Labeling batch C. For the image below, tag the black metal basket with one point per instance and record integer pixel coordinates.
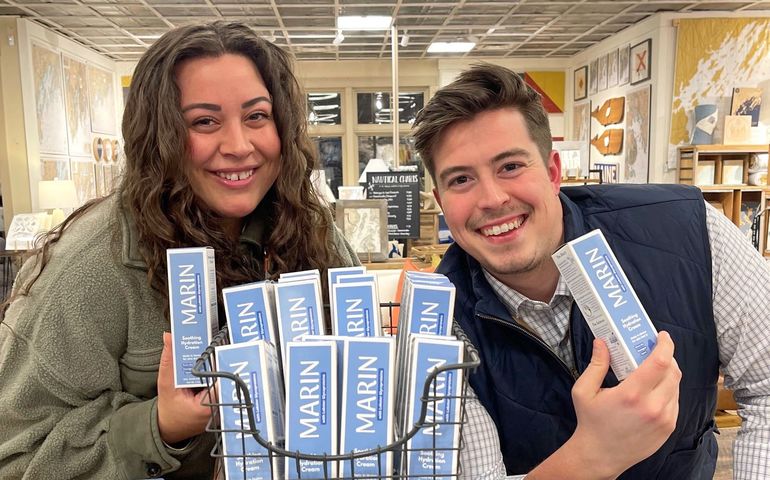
(398, 451)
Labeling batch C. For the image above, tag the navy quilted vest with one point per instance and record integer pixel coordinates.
(658, 233)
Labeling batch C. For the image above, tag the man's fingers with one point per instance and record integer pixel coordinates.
(590, 382)
(657, 367)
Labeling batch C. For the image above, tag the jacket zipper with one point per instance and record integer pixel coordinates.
(570, 372)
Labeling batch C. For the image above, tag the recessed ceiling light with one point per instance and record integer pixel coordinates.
(365, 22)
(450, 47)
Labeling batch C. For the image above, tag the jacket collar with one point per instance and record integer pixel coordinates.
(254, 231)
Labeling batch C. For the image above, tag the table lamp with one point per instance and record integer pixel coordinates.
(55, 195)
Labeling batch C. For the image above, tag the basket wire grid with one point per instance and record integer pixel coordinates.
(397, 452)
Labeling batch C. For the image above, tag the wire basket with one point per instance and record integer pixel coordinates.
(399, 453)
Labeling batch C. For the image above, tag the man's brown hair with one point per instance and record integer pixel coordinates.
(481, 88)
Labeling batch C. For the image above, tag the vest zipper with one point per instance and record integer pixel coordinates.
(572, 373)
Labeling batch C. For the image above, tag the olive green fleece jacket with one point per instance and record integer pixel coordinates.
(79, 362)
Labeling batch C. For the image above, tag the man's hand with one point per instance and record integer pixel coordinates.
(618, 427)
(180, 413)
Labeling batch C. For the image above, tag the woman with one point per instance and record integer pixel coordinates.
(216, 154)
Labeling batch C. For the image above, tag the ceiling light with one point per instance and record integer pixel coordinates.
(450, 47)
(404, 40)
(366, 22)
(338, 38)
(491, 30)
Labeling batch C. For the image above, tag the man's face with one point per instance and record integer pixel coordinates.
(500, 199)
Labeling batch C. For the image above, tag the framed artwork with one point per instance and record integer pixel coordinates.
(364, 223)
(581, 121)
(101, 95)
(641, 58)
(623, 65)
(746, 101)
(580, 81)
(83, 172)
(602, 73)
(612, 68)
(76, 102)
(49, 100)
(637, 164)
(705, 174)
(53, 167)
(737, 130)
(593, 71)
(732, 172)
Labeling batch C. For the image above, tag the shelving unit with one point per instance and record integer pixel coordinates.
(704, 167)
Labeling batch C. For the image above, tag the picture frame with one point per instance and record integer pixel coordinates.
(602, 80)
(593, 73)
(623, 64)
(641, 58)
(364, 224)
(580, 83)
(732, 172)
(705, 173)
(612, 69)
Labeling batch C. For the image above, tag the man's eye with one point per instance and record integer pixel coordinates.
(510, 167)
(458, 180)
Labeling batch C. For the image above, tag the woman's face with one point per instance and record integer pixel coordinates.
(233, 144)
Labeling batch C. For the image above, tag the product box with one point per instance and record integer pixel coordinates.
(333, 273)
(367, 404)
(300, 311)
(434, 451)
(299, 275)
(250, 311)
(355, 309)
(311, 406)
(256, 363)
(192, 297)
(607, 301)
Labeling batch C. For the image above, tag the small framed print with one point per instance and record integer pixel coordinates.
(364, 223)
(581, 83)
(732, 172)
(705, 174)
(641, 58)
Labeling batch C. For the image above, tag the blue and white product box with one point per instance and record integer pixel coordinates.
(192, 297)
(435, 447)
(367, 404)
(300, 311)
(333, 273)
(355, 309)
(311, 408)
(607, 301)
(250, 311)
(256, 363)
(428, 309)
(300, 275)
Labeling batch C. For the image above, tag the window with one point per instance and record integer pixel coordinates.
(330, 160)
(374, 107)
(324, 109)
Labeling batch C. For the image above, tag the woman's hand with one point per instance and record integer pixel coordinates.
(180, 413)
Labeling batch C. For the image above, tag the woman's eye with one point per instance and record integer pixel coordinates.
(257, 116)
(204, 122)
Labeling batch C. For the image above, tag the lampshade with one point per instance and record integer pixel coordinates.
(56, 194)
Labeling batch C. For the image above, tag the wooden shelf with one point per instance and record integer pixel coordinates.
(706, 166)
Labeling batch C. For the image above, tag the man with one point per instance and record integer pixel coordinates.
(486, 142)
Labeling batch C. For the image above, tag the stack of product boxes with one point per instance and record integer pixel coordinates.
(317, 393)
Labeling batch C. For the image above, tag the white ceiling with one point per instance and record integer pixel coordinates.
(122, 30)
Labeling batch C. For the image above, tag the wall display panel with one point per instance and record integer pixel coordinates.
(76, 101)
(637, 164)
(705, 50)
(49, 100)
(101, 94)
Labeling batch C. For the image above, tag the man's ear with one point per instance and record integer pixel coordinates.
(437, 197)
(554, 170)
